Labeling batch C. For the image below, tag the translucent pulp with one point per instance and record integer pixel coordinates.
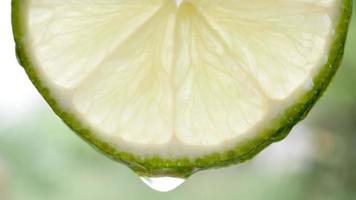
(163, 184)
(138, 86)
(178, 2)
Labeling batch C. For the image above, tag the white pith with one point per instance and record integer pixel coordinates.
(178, 78)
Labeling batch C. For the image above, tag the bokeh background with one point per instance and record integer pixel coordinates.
(41, 159)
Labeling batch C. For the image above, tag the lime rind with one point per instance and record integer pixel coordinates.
(155, 166)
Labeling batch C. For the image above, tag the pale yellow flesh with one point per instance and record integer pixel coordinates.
(146, 75)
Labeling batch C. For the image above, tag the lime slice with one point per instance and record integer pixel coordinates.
(172, 87)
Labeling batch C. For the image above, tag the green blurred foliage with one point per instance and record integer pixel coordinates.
(40, 159)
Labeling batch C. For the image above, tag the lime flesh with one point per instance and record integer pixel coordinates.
(173, 87)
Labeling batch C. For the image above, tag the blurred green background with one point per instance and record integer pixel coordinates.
(41, 159)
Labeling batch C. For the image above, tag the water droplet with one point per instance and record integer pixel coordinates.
(163, 184)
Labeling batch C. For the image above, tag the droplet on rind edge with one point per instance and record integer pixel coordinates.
(163, 184)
